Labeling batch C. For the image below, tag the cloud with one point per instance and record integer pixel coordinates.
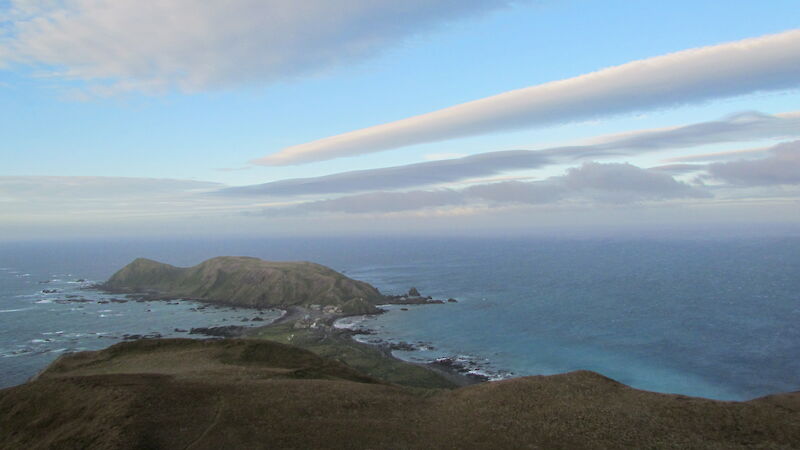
(780, 166)
(678, 169)
(418, 174)
(95, 197)
(123, 45)
(746, 126)
(65, 187)
(233, 169)
(591, 183)
(386, 202)
(438, 156)
(766, 63)
(720, 156)
(625, 183)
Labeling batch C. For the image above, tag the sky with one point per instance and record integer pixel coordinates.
(475, 117)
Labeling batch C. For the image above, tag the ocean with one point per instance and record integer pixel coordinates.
(714, 318)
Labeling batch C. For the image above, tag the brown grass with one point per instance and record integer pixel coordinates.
(256, 394)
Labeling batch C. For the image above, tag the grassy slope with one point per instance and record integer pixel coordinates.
(362, 357)
(259, 394)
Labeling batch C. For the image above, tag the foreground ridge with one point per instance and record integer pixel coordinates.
(236, 393)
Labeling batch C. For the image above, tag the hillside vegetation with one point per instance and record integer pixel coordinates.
(248, 282)
(257, 394)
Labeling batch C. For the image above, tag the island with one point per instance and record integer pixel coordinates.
(302, 383)
(247, 282)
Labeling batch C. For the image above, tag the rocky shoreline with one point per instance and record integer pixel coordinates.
(316, 318)
(461, 373)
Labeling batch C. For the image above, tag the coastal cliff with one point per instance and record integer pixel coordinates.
(234, 393)
(247, 282)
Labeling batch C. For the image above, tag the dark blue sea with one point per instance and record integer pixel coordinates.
(714, 318)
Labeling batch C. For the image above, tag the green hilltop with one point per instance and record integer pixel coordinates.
(248, 282)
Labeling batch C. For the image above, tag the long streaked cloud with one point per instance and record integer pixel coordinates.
(593, 183)
(766, 166)
(201, 45)
(780, 166)
(24, 188)
(411, 175)
(735, 128)
(101, 196)
(765, 63)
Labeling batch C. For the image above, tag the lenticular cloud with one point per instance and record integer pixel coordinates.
(765, 63)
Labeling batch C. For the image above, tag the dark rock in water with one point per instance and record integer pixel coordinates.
(413, 292)
(72, 296)
(452, 300)
(118, 300)
(133, 337)
(402, 345)
(477, 376)
(224, 331)
(425, 345)
(103, 302)
(72, 299)
(403, 309)
(402, 300)
(49, 291)
(181, 330)
(80, 280)
(445, 362)
(257, 319)
(451, 363)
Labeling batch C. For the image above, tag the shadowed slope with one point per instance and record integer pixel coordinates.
(244, 281)
(257, 394)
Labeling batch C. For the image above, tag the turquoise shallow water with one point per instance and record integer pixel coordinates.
(712, 318)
